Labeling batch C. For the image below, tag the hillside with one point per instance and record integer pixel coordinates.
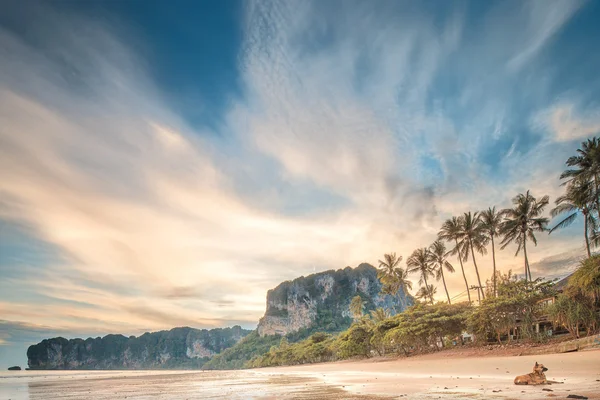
(178, 348)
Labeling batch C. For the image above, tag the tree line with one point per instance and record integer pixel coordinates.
(472, 233)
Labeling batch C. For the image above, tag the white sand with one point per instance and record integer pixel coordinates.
(435, 376)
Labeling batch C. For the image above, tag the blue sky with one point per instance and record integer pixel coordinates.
(166, 163)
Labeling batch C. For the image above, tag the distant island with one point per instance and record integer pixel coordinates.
(179, 348)
(15, 368)
(295, 310)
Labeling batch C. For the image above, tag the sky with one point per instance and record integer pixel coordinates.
(165, 163)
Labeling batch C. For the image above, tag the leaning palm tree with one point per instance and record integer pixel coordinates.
(577, 199)
(490, 222)
(426, 292)
(438, 255)
(450, 232)
(474, 234)
(394, 278)
(420, 262)
(520, 223)
(586, 167)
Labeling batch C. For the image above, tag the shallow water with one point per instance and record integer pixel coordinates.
(157, 385)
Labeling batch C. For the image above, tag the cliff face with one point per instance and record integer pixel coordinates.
(322, 301)
(177, 348)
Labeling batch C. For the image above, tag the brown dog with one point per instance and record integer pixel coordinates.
(537, 377)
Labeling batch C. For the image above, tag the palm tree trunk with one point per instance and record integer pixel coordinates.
(427, 288)
(527, 271)
(476, 269)
(463, 272)
(585, 232)
(597, 194)
(444, 281)
(494, 260)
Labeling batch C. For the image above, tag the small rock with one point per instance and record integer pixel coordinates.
(445, 387)
(576, 396)
(496, 391)
(547, 390)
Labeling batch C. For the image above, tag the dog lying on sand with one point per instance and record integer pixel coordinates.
(537, 377)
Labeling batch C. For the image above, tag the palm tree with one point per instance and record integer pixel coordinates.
(438, 255)
(521, 221)
(450, 232)
(587, 167)
(393, 277)
(490, 222)
(379, 315)
(578, 198)
(426, 292)
(473, 233)
(387, 267)
(420, 261)
(357, 307)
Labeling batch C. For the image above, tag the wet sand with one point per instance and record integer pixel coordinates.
(162, 385)
(428, 377)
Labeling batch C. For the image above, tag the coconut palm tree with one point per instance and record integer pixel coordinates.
(438, 255)
(420, 262)
(490, 222)
(379, 315)
(579, 198)
(474, 235)
(394, 278)
(520, 223)
(357, 307)
(587, 167)
(450, 232)
(388, 265)
(426, 292)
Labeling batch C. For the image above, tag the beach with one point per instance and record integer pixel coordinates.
(431, 376)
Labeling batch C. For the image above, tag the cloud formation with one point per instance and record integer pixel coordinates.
(360, 129)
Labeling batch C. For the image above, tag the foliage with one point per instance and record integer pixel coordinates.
(521, 222)
(573, 313)
(579, 198)
(585, 282)
(420, 262)
(238, 356)
(357, 307)
(394, 279)
(517, 301)
(426, 293)
(419, 328)
(438, 254)
(451, 232)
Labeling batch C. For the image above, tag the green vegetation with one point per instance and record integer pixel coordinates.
(517, 304)
(238, 356)
(418, 329)
(394, 279)
(521, 222)
(577, 307)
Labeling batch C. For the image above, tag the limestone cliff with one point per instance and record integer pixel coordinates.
(177, 348)
(322, 301)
